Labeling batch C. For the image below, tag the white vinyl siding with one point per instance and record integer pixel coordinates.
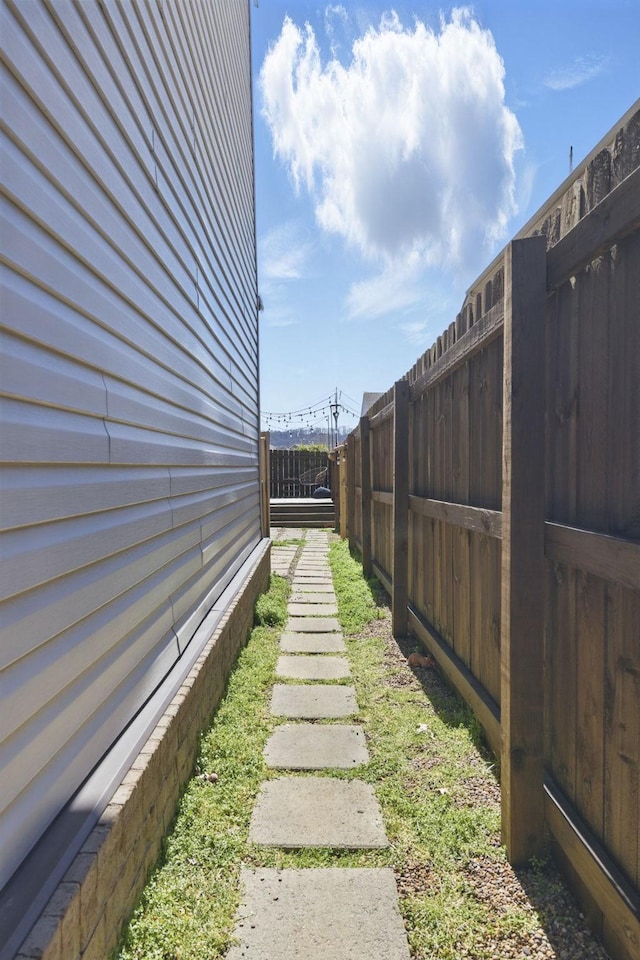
(129, 379)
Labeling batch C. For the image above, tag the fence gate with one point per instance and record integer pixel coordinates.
(297, 473)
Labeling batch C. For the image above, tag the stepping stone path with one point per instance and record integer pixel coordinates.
(338, 913)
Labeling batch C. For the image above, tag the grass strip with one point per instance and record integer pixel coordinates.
(188, 906)
(434, 781)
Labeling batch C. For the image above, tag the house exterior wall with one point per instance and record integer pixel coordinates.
(129, 378)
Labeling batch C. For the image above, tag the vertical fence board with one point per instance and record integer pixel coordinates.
(590, 627)
(561, 678)
(447, 494)
(622, 729)
(523, 549)
(460, 476)
(365, 448)
(351, 490)
(400, 508)
(592, 463)
(265, 474)
(342, 499)
(504, 608)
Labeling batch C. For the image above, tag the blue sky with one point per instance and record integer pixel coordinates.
(398, 148)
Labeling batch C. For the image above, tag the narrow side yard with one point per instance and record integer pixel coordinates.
(434, 779)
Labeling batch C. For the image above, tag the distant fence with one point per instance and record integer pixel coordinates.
(495, 492)
(297, 473)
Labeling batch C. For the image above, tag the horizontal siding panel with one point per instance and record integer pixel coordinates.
(29, 558)
(225, 535)
(31, 618)
(37, 255)
(173, 142)
(202, 596)
(26, 754)
(137, 445)
(138, 278)
(185, 480)
(130, 405)
(106, 80)
(29, 371)
(218, 108)
(214, 523)
(31, 433)
(57, 271)
(40, 317)
(31, 813)
(130, 413)
(38, 494)
(203, 504)
(142, 616)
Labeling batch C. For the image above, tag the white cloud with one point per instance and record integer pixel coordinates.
(407, 150)
(396, 288)
(284, 253)
(334, 12)
(580, 71)
(416, 332)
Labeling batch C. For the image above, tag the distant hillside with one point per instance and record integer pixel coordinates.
(285, 439)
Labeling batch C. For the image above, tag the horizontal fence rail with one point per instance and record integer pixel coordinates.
(495, 493)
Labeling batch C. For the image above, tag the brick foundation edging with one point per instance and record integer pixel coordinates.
(84, 917)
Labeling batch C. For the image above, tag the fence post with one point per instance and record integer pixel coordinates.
(351, 490)
(365, 454)
(333, 474)
(523, 512)
(265, 479)
(343, 490)
(400, 536)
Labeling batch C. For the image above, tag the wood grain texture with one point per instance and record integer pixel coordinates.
(365, 454)
(400, 532)
(478, 519)
(524, 499)
(523, 550)
(611, 891)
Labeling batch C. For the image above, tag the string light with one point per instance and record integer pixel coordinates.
(321, 408)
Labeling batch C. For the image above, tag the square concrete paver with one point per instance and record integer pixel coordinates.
(302, 596)
(311, 609)
(311, 584)
(312, 643)
(281, 560)
(329, 913)
(312, 625)
(314, 667)
(307, 702)
(317, 812)
(305, 587)
(307, 575)
(313, 746)
(286, 533)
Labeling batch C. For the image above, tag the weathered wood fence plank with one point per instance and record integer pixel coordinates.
(523, 550)
(365, 460)
(522, 540)
(400, 532)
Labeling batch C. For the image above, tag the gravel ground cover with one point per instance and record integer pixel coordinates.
(502, 913)
(434, 778)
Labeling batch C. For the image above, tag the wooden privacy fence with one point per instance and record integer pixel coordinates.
(297, 473)
(495, 492)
